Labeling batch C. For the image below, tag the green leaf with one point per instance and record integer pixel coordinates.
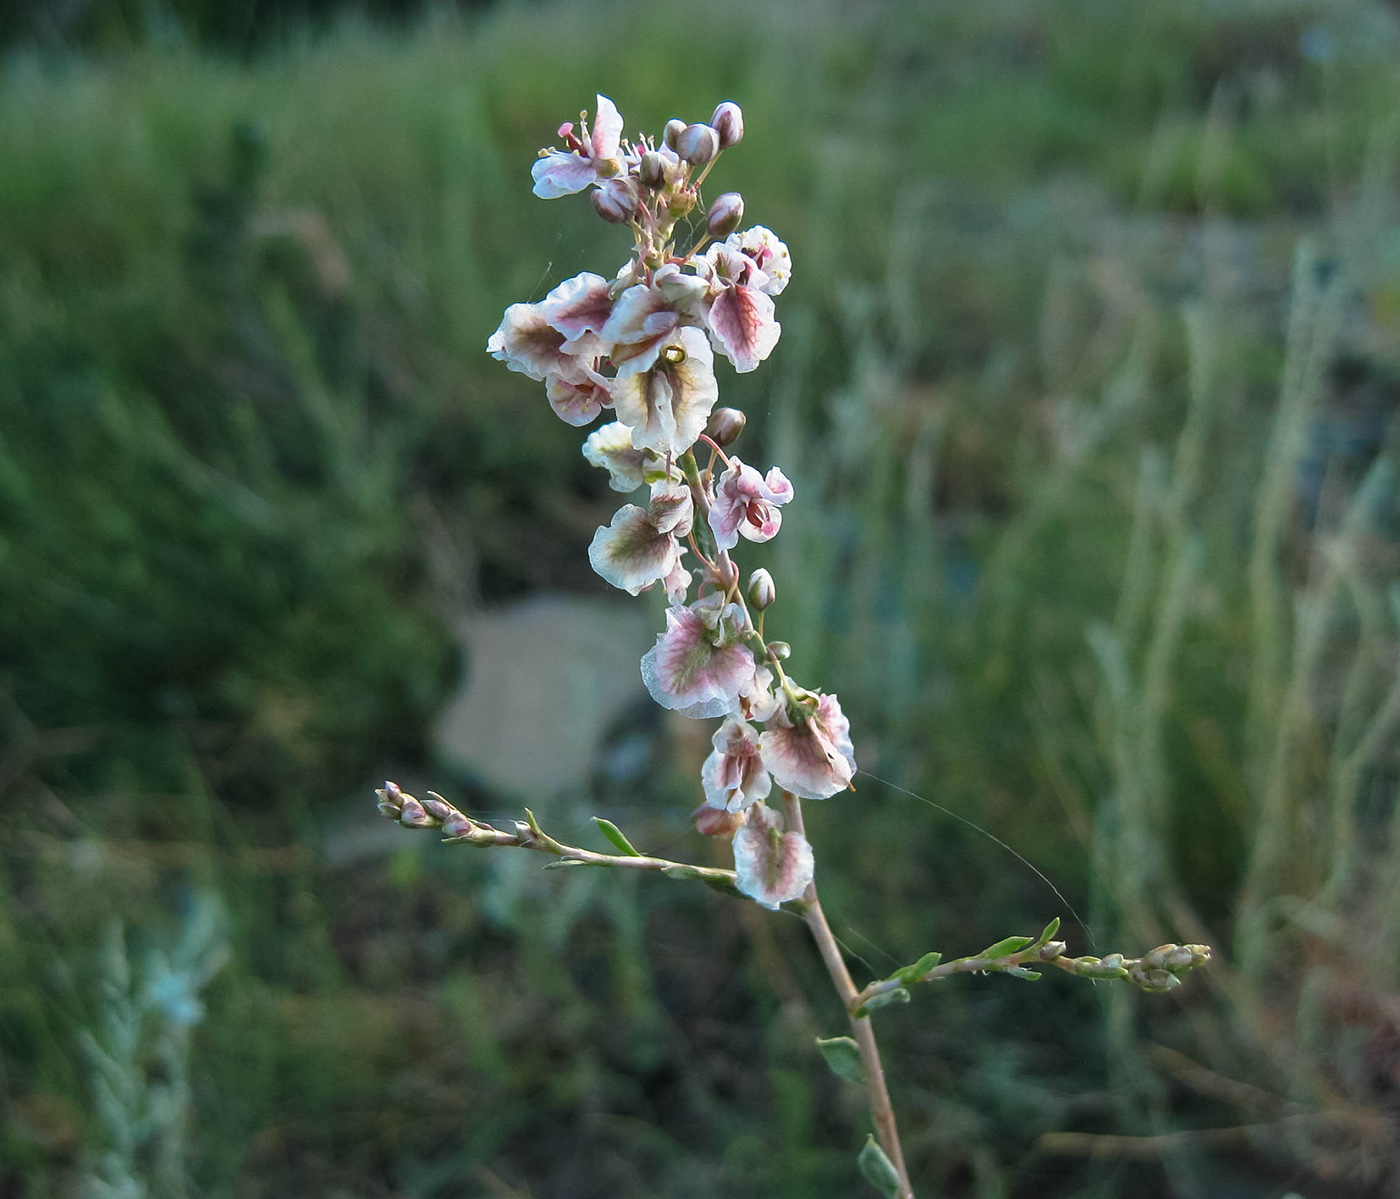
(916, 970)
(879, 1171)
(842, 1054)
(1005, 948)
(1022, 972)
(614, 834)
(560, 863)
(1048, 932)
(884, 999)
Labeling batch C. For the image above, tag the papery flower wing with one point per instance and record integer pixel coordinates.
(759, 703)
(610, 446)
(639, 547)
(578, 306)
(733, 775)
(772, 866)
(677, 583)
(747, 502)
(687, 672)
(642, 322)
(575, 404)
(559, 174)
(643, 402)
(607, 128)
(812, 758)
(694, 389)
(528, 343)
(742, 326)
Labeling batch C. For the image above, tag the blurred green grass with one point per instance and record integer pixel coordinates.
(1085, 383)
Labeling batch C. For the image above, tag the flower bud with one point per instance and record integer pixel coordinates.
(716, 822)
(697, 144)
(728, 122)
(390, 800)
(413, 814)
(779, 650)
(674, 128)
(761, 591)
(437, 807)
(725, 214)
(725, 426)
(457, 825)
(615, 201)
(651, 170)
(1051, 950)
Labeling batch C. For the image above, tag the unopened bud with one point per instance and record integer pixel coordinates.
(651, 170)
(674, 128)
(762, 593)
(1155, 981)
(725, 426)
(1051, 950)
(457, 825)
(615, 201)
(697, 144)
(1155, 959)
(779, 651)
(413, 815)
(390, 800)
(726, 213)
(728, 122)
(680, 203)
(716, 822)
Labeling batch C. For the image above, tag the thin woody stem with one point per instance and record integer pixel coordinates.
(881, 1110)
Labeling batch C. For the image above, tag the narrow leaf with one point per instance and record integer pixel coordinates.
(842, 1054)
(1049, 931)
(1004, 948)
(884, 999)
(1022, 972)
(560, 863)
(916, 970)
(614, 834)
(879, 1171)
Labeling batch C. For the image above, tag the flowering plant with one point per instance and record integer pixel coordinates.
(642, 345)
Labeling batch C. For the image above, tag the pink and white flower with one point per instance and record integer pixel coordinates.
(577, 403)
(528, 343)
(641, 546)
(740, 312)
(733, 775)
(668, 405)
(807, 747)
(699, 666)
(772, 866)
(768, 254)
(747, 503)
(579, 306)
(610, 446)
(589, 158)
(760, 703)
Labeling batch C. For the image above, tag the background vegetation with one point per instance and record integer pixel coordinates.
(1086, 383)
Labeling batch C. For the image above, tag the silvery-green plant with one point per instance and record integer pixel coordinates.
(642, 344)
(138, 1056)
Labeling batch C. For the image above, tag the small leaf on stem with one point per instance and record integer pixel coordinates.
(879, 1171)
(614, 834)
(842, 1054)
(1005, 948)
(883, 999)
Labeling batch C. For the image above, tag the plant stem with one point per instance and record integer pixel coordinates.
(881, 1110)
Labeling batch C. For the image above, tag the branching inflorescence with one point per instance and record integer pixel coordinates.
(642, 344)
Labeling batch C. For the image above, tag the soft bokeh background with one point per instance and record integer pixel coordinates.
(1087, 384)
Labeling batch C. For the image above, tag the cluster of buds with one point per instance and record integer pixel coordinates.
(642, 344)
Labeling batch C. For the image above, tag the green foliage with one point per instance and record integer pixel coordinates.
(878, 1170)
(842, 1055)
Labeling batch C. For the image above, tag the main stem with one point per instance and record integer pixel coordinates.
(881, 1110)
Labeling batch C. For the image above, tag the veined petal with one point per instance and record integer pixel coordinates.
(559, 174)
(768, 253)
(687, 672)
(742, 326)
(733, 775)
(772, 866)
(747, 503)
(575, 404)
(607, 128)
(669, 405)
(610, 446)
(812, 757)
(639, 547)
(641, 323)
(578, 306)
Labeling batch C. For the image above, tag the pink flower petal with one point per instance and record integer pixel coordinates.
(773, 867)
(812, 757)
(575, 403)
(639, 547)
(742, 326)
(687, 672)
(733, 775)
(607, 129)
(528, 343)
(558, 174)
(747, 503)
(669, 405)
(578, 306)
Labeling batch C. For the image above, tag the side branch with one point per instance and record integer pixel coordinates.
(1158, 970)
(459, 828)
